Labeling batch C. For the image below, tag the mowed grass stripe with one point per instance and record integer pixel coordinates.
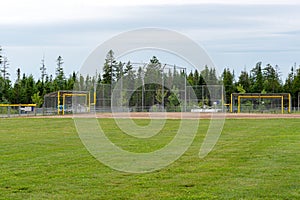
(253, 159)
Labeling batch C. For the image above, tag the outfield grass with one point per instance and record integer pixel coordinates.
(253, 159)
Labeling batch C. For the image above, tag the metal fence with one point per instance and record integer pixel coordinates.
(18, 110)
(145, 99)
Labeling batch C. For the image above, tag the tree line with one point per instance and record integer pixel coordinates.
(260, 79)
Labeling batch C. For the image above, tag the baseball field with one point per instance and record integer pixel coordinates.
(44, 158)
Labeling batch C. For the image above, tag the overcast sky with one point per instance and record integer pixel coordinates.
(235, 34)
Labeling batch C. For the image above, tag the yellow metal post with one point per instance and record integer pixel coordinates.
(282, 109)
(58, 102)
(231, 103)
(89, 103)
(21, 104)
(239, 104)
(63, 106)
(289, 108)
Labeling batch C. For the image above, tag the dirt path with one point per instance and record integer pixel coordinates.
(177, 115)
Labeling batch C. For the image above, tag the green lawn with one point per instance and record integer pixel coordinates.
(253, 159)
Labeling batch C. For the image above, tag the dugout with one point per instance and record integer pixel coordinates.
(260, 103)
(66, 101)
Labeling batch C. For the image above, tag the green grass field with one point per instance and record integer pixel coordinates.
(253, 159)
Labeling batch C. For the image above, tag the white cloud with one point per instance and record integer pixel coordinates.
(52, 11)
(36, 11)
(222, 26)
(183, 2)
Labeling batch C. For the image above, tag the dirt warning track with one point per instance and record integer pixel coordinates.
(177, 115)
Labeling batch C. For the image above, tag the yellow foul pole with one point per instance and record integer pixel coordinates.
(289, 103)
(63, 107)
(239, 104)
(282, 109)
(89, 103)
(58, 102)
(231, 102)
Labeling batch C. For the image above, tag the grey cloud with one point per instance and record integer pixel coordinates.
(201, 17)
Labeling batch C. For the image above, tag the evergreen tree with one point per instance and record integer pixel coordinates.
(119, 72)
(71, 81)
(5, 90)
(153, 75)
(205, 75)
(60, 76)
(99, 81)
(5, 83)
(43, 70)
(30, 89)
(272, 83)
(4, 69)
(228, 82)
(137, 98)
(40, 87)
(288, 86)
(196, 78)
(190, 78)
(244, 81)
(129, 77)
(108, 68)
(48, 86)
(296, 87)
(16, 89)
(1, 57)
(213, 80)
(257, 79)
